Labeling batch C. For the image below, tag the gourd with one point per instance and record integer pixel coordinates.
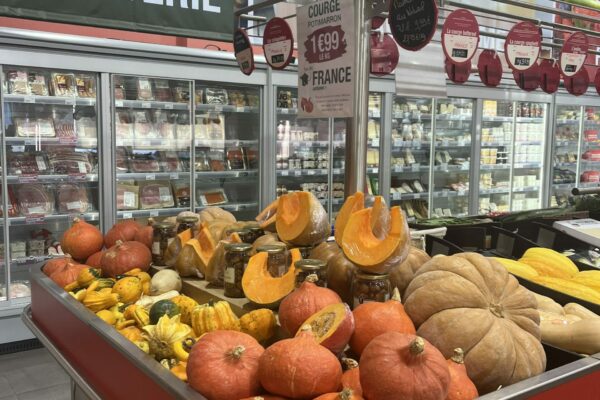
(518, 268)
(374, 319)
(182, 349)
(401, 274)
(186, 307)
(367, 251)
(301, 219)
(340, 271)
(218, 228)
(590, 279)
(125, 256)
(95, 260)
(97, 301)
(580, 311)
(268, 217)
(211, 213)
(472, 302)
(107, 316)
(175, 247)
(147, 301)
(103, 283)
(87, 275)
(332, 326)
(548, 305)
(65, 271)
(162, 307)
(351, 377)
(180, 370)
(81, 240)
(124, 231)
(196, 254)
(56, 264)
(129, 289)
(401, 356)
(145, 235)
(138, 314)
(261, 324)
(299, 368)
(261, 288)
(549, 262)
(164, 281)
(345, 394)
(132, 333)
(224, 365)
(353, 203)
(213, 317)
(581, 336)
(569, 287)
(461, 387)
(164, 334)
(303, 302)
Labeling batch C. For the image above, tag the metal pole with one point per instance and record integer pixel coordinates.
(356, 132)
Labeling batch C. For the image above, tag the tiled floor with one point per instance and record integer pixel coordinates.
(32, 375)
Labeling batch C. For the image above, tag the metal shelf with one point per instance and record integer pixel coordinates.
(484, 192)
(26, 261)
(302, 172)
(451, 193)
(222, 143)
(565, 164)
(152, 105)
(51, 100)
(451, 168)
(161, 212)
(526, 189)
(496, 144)
(413, 116)
(565, 143)
(529, 142)
(563, 186)
(40, 219)
(497, 119)
(567, 121)
(155, 143)
(489, 167)
(33, 141)
(232, 206)
(589, 184)
(409, 196)
(527, 165)
(447, 117)
(52, 178)
(414, 144)
(225, 174)
(144, 176)
(226, 108)
(449, 145)
(413, 168)
(307, 143)
(530, 120)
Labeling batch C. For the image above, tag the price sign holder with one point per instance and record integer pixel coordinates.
(550, 76)
(529, 79)
(413, 22)
(523, 45)
(458, 73)
(577, 84)
(460, 36)
(573, 54)
(489, 67)
(278, 43)
(243, 51)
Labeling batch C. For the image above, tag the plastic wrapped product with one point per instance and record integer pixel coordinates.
(124, 125)
(28, 127)
(27, 163)
(169, 161)
(210, 126)
(122, 159)
(86, 127)
(162, 90)
(156, 195)
(17, 82)
(182, 192)
(13, 206)
(181, 91)
(37, 84)
(34, 199)
(143, 127)
(144, 89)
(127, 197)
(164, 124)
(216, 96)
(145, 161)
(67, 160)
(212, 197)
(72, 198)
(120, 91)
(63, 84)
(86, 85)
(235, 158)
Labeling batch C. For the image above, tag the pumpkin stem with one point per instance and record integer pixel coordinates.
(349, 363)
(150, 221)
(188, 343)
(76, 220)
(237, 352)
(417, 346)
(459, 356)
(396, 295)
(346, 394)
(312, 278)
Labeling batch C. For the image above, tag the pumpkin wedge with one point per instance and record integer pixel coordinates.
(263, 289)
(367, 251)
(195, 255)
(268, 216)
(175, 247)
(380, 218)
(301, 219)
(353, 203)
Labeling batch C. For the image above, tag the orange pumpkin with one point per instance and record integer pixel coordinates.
(145, 234)
(353, 203)
(401, 274)
(223, 365)
(65, 272)
(268, 216)
(461, 387)
(265, 397)
(345, 394)
(124, 231)
(301, 219)
(332, 326)
(399, 366)
(299, 368)
(82, 240)
(95, 260)
(303, 302)
(55, 264)
(125, 256)
(373, 319)
(351, 377)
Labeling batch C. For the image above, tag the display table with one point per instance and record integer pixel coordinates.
(105, 365)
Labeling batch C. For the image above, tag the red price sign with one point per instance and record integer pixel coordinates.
(489, 67)
(325, 44)
(522, 46)
(384, 54)
(573, 54)
(550, 76)
(278, 43)
(460, 36)
(243, 51)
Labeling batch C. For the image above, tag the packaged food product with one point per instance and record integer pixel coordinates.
(86, 85)
(64, 128)
(164, 122)
(144, 161)
(17, 82)
(122, 159)
(156, 195)
(182, 192)
(183, 127)
(235, 159)
(143, 126)
(210, 126)
(72, 198)
(251, 157)
(169, 161)
(181, 91)
(216, 161)
(162, 90)
(34, 199)
(216, 96)
(237, 98)
(212, 197)
(31, 163)
(63, 84)
(144, 89)
(199, 95)
(123, 125)
(86, 127)
(37, 84)
(119, 84)
(13, 207)
(127, 197)
(66, 160)
(28, 127)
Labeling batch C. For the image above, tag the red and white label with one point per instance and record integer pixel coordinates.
(522, 46)
(278, 43)
(384, 54)
(460, 36)
(573, 54)
(243, 51)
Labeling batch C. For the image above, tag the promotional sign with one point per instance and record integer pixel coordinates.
(278, 43)
(243, 51)
(460, 36)
(577, 84)
(489, 67)
(550, 76)
(522, 46)
(457, 73)
(528, 80)
(207, 19)
(326, 51)
(384, 54)
(573, 54)
(413, 22)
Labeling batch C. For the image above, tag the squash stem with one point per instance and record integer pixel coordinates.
(459, 356)
(237, 352)
(417, 346)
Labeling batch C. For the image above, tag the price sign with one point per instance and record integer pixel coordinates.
(577, 84)
(416, 167)
(550, 76)
(529, 79)
(174, 176)
(522, 46)
(489, 67)
(154, 213)
(573, 54)
(127, 215)
(33, 219)
(278, 43)
(326, 51)
(243, 51)
(457, 73)
(150, 177)
(284, 173)
(375, 143)
(413, 22)
(29, 99)
(168, 106)
(460, 36)
(384, 55)
(297, 172)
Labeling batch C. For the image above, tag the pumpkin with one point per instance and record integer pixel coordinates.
(402, 273)
(374, 319)
(65, 272)
(261, 324)
(414, 369)
(332, 326)
(353, 203)
(124, 231)
(461, 387)
(82, 240)
(224, 365)
(340, 271)
(351, 377)
(265, 397)
(131, 333)
(163, 307)
(472, 302)
(107, 316)
(186, 307)
(165, 280)
(55, 264)
(369, 252)
(145, 234)
(129, 289)
(303, 302)
(95, 260)
(301, 219)
(268, 217)
(214, 317)
(299, 368)
(345, 394)
(196, 254)
(174, 248)
(216, 266)
(218, 228)
(211, 213)
(162, 336)
(266, 239)
(261, 288)
(125, 256)
(99, 300)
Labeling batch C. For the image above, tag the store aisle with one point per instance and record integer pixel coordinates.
(32, 375)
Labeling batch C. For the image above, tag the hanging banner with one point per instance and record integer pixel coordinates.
(207, 19)
(573, 54)
(550, 76)
(413, 22)
(489, 67)
(384, 54)
(460, 36)
(243, 51)
(522, 46)
(577, 84)
(278, 43)
(326, 52)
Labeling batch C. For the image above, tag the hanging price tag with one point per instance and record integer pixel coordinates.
(573, 54)
(460, 36)
(522, 46)
(278, 43)
(244, 54)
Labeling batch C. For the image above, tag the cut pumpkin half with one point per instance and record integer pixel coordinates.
(333, 326)
(353, 203)
(301, 219)
(268, 216)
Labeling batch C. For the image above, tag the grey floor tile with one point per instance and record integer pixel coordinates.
(58, 392)
(9, 397)
(36, 377)
(13, 361)
(5, 388)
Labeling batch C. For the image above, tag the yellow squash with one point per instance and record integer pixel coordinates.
(213, 317)
(97, 301)
(162, 336)
(261, 324)
(186, 306)
(87, 276)
(129, 289)
(549, 263)
(569, 287)
(517, 268)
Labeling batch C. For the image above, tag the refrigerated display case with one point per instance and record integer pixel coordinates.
(565, 155)
(51, 165)
(589, 169)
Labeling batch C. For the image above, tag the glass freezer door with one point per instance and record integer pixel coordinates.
(52, 162)
(590, 149)
(227, 128)
(565, 153)
(153, 146)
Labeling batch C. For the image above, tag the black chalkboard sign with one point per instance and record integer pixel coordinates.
(413, 22)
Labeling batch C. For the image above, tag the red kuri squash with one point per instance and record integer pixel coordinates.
(95, 260)
(124, 231)
(351, 377)
(345, 394)
(145, 234)
(461, 387)
(125, 256)
(332, 326)
(64, 272)
(81, 240)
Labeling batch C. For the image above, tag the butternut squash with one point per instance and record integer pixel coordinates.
(580, 336)
(580, 311)
(301, 219)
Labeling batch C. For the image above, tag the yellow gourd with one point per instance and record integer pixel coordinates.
(162, 336)
(97, 301)
(548, 262)
(87, 276)
(569, 287)
(139, 314)
(214, 316)
(132, 333)
(261, 324)
(129, 289)
(107, 316)
(517, 268)
(186, 307)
